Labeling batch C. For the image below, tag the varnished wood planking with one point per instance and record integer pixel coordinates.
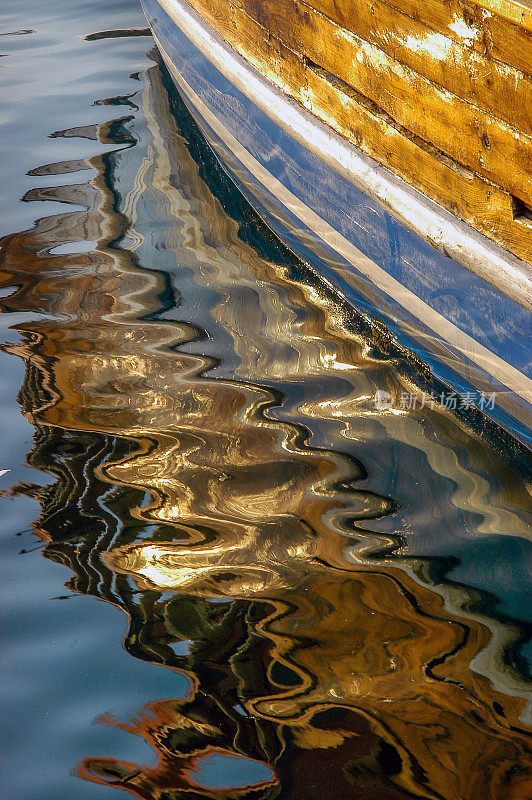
(475, 200)
(468, 196)
(484, 144)
(505, 37)
(495, 87)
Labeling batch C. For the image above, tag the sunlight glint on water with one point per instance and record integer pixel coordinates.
(321, 599)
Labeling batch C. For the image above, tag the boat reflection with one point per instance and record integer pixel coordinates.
(190, 415)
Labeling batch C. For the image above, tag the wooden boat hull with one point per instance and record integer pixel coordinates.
(451, 297)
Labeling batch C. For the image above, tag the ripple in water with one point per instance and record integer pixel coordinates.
(319, 572)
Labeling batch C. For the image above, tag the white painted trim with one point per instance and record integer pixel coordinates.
(431, 222)
(465, 344)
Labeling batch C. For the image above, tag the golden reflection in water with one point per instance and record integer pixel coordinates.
(318, 655)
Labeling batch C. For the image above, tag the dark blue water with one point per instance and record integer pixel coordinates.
(226, 573)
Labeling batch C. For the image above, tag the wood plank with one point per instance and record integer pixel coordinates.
(517, 11)
(473, 199)
(495, 87)
(485, 144)
(434, 12)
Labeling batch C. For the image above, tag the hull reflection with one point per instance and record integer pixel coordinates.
(191, 416)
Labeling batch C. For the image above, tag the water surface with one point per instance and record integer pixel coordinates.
(320, 599)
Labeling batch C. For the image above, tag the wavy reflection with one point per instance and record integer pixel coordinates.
(206, 415)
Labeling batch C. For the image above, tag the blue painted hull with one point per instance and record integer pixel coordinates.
(472, 336)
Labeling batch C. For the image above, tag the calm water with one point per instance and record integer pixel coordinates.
(213, 545)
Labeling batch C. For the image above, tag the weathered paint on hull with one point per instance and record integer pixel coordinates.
(467, 330)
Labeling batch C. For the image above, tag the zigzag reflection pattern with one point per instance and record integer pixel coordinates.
(199, 485)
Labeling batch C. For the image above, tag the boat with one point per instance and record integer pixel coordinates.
(388, 144)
